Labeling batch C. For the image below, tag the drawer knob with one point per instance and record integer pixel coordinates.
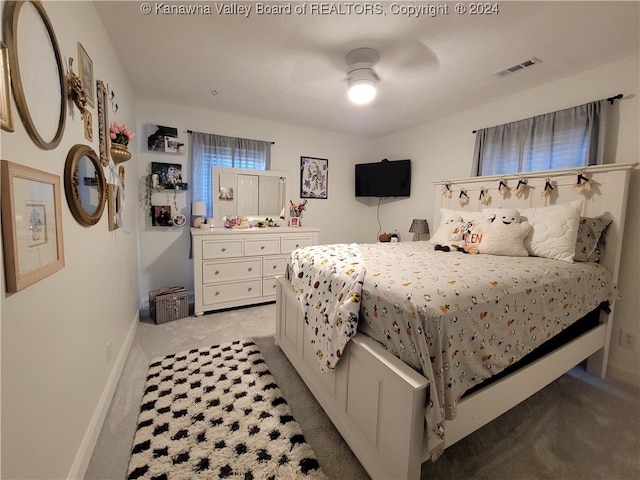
(249, 289)
(216, 272)
(297, 245)
(224, 249)
(261, 247)
(217, 293)
(250, 269)
(274, 267)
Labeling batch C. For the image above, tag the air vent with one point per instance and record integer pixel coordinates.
(518, 67)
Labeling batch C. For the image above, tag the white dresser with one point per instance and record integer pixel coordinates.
(238, 267)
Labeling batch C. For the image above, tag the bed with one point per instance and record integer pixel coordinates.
(397, 401)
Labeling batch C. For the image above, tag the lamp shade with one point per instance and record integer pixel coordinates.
(419, 225)
(198, 209)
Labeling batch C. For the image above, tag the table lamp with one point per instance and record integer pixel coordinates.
(419, 226)
(198, 211)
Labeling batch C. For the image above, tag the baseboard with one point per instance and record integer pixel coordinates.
(83, 456)
(623, 374)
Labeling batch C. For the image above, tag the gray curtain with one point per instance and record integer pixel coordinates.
(573, 137)
(208, 150)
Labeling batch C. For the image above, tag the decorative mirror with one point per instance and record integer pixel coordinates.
(255, 194)
(37, 71)
(84, 185)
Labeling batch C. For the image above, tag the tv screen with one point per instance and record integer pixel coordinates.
(384, 179)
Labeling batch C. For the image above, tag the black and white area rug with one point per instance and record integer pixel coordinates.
(217, 412)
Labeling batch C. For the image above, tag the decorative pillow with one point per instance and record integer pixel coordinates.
(555, 229)
(465, 216)
(591, 232)
(444, 231)
(499, 234)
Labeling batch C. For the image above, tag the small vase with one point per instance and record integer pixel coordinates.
(119, 153)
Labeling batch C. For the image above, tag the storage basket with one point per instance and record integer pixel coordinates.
(168, 304)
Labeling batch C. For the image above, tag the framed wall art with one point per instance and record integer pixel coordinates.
(32, 225)
(85, 69)
(37, 72)
(6, 118)
(161, 216)
(314, 174)
(103, 123)
(163, 139)
(167, 175)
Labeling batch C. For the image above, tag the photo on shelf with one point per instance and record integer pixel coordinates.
(161, 216)
(163, 139)
(167, 175)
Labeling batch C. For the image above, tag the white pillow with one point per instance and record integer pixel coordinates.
(444, 231)
(555, 229)
(465, 216)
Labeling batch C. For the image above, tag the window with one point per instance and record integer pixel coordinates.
(564, 139)
(210, 150)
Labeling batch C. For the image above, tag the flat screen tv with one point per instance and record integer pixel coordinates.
(388, 178)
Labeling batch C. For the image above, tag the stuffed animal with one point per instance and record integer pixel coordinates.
(456, 239)
(446, 230)
(500, 233)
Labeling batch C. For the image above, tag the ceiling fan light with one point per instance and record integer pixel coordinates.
(362, 91)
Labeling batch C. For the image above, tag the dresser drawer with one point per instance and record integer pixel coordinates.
(227, 292)
(274, 266)
(289, 244)
(265, 246)
(221, 248)
(269, 286)
(223, 271)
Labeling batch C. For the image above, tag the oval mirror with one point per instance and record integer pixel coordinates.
(84, 185)
(37, 73)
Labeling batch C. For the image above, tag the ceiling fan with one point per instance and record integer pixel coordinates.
(364, 67)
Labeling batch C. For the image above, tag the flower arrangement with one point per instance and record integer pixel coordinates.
(120, 134)
(296, 209)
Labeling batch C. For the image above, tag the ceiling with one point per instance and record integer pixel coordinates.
(291, 67)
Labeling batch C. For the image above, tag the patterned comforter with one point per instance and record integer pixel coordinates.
(459, 318)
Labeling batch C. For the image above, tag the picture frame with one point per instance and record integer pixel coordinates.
(161, 216)
(314, 175)
(163, 139)
(167, 176)
(6, 116)
(294, 221)
(32, 225)
(85, 70)
(103, 123)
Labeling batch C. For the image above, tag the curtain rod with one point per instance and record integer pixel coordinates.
(272, 143)
(610, 100)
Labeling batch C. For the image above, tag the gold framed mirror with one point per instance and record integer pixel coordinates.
(84, 185)
(37, 71)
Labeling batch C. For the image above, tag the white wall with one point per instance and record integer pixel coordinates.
(55, 377)
(164, 251)
(54, 333)
(443, 149)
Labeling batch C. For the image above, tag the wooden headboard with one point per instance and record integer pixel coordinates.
(607, 196)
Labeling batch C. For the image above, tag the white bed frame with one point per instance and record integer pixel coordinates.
(377, 402)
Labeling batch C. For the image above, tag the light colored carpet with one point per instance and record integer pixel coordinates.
(579, 427)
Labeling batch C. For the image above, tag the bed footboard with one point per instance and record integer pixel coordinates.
(374, 400)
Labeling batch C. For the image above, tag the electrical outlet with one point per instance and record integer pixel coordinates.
(628, 339)
(109, 352)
